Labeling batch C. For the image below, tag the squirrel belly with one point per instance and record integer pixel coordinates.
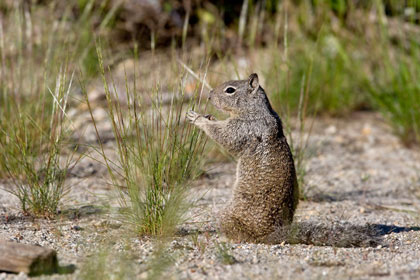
(265, 194)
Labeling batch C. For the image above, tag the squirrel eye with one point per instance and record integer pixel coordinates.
(230, 90)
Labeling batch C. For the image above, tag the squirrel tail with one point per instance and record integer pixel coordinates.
(335, 234)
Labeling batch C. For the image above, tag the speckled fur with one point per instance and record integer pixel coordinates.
(266, 190)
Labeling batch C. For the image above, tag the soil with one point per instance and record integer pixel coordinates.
(357, 172)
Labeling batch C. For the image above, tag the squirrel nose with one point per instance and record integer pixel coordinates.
(210, 94)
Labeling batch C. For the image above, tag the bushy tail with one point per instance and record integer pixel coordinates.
(334, 234)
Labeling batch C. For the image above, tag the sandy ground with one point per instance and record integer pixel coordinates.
(357, 173)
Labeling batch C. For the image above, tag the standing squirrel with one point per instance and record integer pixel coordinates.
(266, 192)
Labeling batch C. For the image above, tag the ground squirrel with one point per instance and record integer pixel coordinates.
(266, 190)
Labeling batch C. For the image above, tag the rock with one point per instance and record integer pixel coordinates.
(29, 259)
(77, 228)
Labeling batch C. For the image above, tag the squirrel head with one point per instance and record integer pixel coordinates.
(239, 96)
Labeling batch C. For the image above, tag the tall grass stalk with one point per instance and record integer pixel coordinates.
(242, 21)
(158, 153)
(281, 101)
(303, 126)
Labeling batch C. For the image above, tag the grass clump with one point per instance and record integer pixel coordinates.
(398, 99)
(36, 58)
(34, 94)
(319, 51)
(32, 139)
(395, 90)
(158, 153)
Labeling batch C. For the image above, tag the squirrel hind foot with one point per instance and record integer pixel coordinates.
(233, 229)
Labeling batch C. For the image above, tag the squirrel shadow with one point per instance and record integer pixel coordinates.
(334, 234)
(339, 234)
(387, 229)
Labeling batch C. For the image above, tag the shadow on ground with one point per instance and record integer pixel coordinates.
(341, 234)
(335, 234)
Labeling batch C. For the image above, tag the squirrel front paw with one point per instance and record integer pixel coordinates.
(193, 116)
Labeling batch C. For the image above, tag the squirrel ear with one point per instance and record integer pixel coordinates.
(253, 81)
